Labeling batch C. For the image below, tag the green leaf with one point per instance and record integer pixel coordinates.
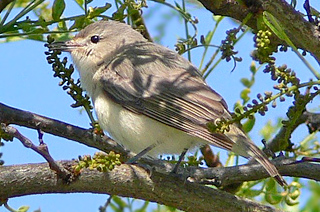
(41, 21)
(248, 125)
(260, 22)
(178, 6)
(120, 13)
(295, 194)
(24, 208)
(245, 94)
(246, 82)
(208, 37)
(273, 198)
(37, 35)
(79, 23)
(119, 202)
(253, 68)
(96, 11)
(25, 26)
(80, 3)
(276, 28)
(252, 193)
(271, 185)
(143, 208)
(62, 26)
(312, 205)
(267, 130)
(238, 105)
(57, 9)
(290, 201)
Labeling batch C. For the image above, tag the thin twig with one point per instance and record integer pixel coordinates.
(104, 208)
(210, 158)
(42, 149)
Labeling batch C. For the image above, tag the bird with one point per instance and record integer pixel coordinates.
(150, 99)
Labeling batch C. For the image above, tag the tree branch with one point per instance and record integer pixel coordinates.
(42, 149)
(220, 176)
(4, 3)
(223, 175)
(133, 181)
(124, 180)
(9, 115)
(302, 33)
(278, 143)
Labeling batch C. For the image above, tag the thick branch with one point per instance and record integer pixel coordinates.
(250, 172)
(303, 34)
(278, 143)
(127, 181)
(224, 176)
(4, 3)
(9, 115)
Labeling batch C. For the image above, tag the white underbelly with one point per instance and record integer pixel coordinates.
(136, 132)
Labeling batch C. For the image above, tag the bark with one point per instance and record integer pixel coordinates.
(124, 180)
(4, 4)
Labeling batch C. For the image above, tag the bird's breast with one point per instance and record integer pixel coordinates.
(136, 131)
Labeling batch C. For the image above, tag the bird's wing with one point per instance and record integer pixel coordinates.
(151, 80)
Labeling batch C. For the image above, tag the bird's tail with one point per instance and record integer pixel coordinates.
(245, 147)
(260, 157)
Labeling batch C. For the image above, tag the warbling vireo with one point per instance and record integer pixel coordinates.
(149, 97)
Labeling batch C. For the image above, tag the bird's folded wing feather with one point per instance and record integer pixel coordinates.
(153, 81)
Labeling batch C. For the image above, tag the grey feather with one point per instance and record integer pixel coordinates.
(151, 80)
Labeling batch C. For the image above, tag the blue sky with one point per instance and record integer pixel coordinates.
(27, 83)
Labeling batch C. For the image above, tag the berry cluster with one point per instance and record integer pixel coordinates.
(282, 75)
(227, 46)
(219, 125)
(72, 87)
(100, 161)
(264, 50)
(65, 74)
(184, 45)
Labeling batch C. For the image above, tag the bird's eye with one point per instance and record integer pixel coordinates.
(95, 39)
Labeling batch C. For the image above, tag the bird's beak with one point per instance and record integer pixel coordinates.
(66, 46)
